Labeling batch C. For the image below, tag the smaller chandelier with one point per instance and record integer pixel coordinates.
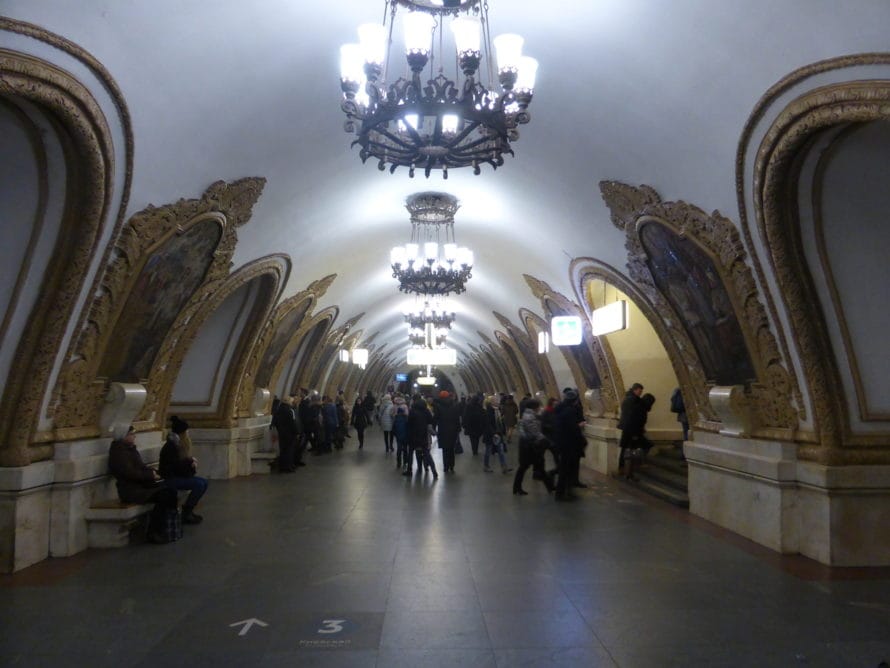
(446, 123)
(432, 228)
(438, 316)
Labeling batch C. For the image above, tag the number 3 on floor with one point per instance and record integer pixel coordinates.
(331, 626)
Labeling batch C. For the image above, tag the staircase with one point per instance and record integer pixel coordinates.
(664, 474)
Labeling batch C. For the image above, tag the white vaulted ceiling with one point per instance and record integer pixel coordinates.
(639, 91)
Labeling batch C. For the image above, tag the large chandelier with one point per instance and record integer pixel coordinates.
(444, 123)
(419, 266)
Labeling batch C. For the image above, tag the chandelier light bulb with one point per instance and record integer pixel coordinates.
(351, 63)
(509, 51)
(467, 32)
(418, 32)
(431, 251)
(411, 251)
(450, 251)
(525, 77)
(372, 38)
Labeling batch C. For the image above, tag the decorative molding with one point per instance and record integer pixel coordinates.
(79, 388)
(511, 351)
(514, 377)
(774, 183)
(538, 365)
(312, 333)
(771, 396)
(313, 292)
(91, 170)
(533, 324)
(602, 361)
(276, 268)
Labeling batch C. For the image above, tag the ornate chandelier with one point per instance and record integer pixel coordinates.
(447, 123)
(438, 315)
(432, 228)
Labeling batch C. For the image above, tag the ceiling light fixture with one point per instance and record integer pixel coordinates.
(447, 123)
(432, 229)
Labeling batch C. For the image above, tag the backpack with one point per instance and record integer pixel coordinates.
(677, 402)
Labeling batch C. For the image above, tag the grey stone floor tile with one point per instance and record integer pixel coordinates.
(560, 657)
(438, 658)
(434, 630)
(319, 659)
(551, 628)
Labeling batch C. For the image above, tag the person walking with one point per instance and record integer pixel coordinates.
(384, 418)
(447, 422)
(400, 430)
(420, 430)
(510, 416)
(359, 421)
(474, 421)
(571, 442)
(678, 406)
(532, 444)
(493, 435)
(631, 422)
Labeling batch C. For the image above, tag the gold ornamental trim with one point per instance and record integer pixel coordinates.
(775, 180)
(771, 396)
(603, 361)
(272, 271)
(90, 158)
(313, 292)
(80, 388)
(527, 345)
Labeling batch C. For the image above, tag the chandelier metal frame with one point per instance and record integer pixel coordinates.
(445, 123)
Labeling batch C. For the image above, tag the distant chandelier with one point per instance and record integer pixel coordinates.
(432, 226)
(437, 315)
(445, 123)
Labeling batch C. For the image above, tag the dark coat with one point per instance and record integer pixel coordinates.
(359, 416)
(570, 437)
(286, 422)
(474, 419)
(173, 463)
(447, 421)
(509, 413)
(491, 424)
(632, 420)
(419, 422)
(135, 480)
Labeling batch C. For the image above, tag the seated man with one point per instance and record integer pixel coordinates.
(138, 483)
(177, 467)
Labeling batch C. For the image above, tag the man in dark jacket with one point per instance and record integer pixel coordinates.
(474, 421)
(139, 483)
(571, 442)
(447, 422)
(178, 468)
(632, 423)
(287, 425)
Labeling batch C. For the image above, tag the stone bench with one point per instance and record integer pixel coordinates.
(110, 523)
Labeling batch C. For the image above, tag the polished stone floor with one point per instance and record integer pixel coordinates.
(347, 563)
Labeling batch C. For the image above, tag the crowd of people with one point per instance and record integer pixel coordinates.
(413, 427)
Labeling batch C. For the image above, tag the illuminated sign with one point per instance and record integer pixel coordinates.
(608, 319)
(565, 330)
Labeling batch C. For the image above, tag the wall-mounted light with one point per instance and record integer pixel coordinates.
(610, 318)
(360, 357)
(566, 330)
(344, 355)
(543, 342)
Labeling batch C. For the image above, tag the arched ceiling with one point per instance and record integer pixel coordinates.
(640, 91)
